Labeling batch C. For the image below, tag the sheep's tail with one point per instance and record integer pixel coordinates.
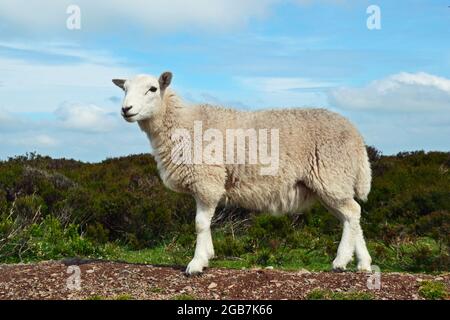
(363, 177)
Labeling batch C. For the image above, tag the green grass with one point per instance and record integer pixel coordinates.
(157, 255)
(408, 256)
(184, 296)
(320, 294)
(162, 255)
(49, 241)
(96, 297)
(433, 290)
(156, 290)
(124, 297)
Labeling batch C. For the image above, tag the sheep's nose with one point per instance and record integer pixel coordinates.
(126, 109)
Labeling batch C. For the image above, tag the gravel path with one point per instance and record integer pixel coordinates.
(115, 280)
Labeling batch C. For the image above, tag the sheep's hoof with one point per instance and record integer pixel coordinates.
(338, 267)
(195, 267)
(363, 267)
(193, 274)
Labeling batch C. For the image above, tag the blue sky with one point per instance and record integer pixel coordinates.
(56, 95)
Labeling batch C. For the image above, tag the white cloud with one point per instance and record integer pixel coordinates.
(399, 92)
(395, 132)
(7, 121)
(74, 117)
(277, 84)
(45, 140)
(276, 92)
(63, 49)
(23, 73)
(47, 74)
(115, 15)
(37, 141)
(88, 118)
(85, 132)
(31, 85)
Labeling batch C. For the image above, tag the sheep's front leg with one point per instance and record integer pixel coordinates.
(204, 249)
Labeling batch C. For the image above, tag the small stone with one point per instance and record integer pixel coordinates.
(90, 271)
(269, 268)
(303, 271)
(212, 285)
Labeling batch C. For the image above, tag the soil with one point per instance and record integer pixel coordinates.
(116, 280)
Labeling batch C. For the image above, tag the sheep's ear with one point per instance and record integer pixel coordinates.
(120, 83)
(164, 80)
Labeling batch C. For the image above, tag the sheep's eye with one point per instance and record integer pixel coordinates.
(153, 89)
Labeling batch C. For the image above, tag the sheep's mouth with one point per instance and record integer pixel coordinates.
(127, 116)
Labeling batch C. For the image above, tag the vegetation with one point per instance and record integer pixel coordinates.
(119, 209)
(184, 296)
(320, 294)
(433, 290)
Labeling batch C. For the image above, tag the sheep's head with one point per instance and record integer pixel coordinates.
(143, 95)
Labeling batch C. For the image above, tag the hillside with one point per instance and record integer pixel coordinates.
(119, 209)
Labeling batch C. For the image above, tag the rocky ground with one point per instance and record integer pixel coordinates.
(115, 280)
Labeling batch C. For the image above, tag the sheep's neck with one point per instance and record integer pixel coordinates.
(159, 127)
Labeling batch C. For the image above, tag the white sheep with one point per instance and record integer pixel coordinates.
(319, 156)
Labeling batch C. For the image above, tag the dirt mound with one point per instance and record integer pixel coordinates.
(114, 280)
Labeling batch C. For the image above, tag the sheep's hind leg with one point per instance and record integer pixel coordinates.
(345, 249)
(204, 249)
(364, 259)
(349, 212)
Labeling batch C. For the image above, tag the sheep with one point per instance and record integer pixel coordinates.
(320, 157)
